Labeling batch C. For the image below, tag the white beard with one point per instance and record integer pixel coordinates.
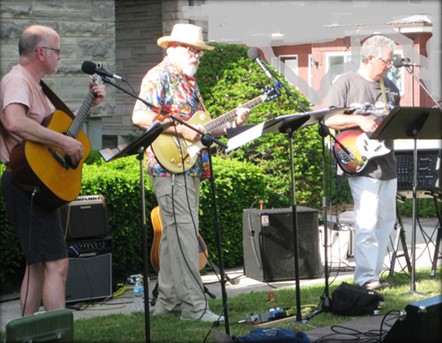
(190, 69)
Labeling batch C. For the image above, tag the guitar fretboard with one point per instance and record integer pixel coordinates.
(82, 114)
(229, 116)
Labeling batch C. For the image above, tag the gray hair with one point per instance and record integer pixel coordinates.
(375, 46)
(32, 37)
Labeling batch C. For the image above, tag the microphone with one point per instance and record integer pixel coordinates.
(89, 67)
(404, 62)
(254, 56)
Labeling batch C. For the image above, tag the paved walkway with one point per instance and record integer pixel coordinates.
(9, 306)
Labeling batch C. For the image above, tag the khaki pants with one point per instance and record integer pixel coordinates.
(179, 280)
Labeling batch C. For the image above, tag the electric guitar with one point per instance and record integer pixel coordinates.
(157, 225)
(360, 150)
(178, 155)
(45, 167)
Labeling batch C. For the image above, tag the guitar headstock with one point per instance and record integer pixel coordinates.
(271, 92)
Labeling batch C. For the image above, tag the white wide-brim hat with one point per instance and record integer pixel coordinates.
(186, 34)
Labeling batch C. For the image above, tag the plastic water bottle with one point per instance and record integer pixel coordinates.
(138, 292)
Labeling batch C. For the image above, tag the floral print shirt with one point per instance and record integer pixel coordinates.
(166, 90)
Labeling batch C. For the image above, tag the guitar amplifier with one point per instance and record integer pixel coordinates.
(90, 270)
(89, 247)
(86, 217)
(428, 169)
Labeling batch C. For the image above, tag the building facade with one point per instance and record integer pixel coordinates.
(122, 34)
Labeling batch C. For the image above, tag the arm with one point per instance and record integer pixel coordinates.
(16, 121)
(145, 118)
(242, 114)
(347, 121)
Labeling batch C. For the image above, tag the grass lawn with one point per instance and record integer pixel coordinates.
(131, 328)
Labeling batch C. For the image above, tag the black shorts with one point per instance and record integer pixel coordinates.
(39, 231)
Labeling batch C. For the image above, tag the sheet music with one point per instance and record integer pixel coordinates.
(245, 137)
(108, 153)
(281, 123)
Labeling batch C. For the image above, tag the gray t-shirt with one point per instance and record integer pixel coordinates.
(352, 90)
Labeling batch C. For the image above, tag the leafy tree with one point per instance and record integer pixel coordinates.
(228, 78)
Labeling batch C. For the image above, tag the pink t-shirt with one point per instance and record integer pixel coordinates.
(17, 87)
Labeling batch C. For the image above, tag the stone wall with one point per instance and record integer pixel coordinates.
(138, 26)
(87, 31)
(120, 34)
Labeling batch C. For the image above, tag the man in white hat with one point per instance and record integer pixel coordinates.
(171, 87)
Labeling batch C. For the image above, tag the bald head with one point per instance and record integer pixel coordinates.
(33, 36)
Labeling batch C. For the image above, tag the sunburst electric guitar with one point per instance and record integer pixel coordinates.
(45, 167)
(360, 149)
(157, 225)
(178, 155)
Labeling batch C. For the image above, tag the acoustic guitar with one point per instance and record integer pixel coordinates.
(45, 167)
(178, 155)
(157, 225)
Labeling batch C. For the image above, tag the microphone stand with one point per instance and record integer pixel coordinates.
(288, 90)
(416, 78)
(207, 140)
(414, 207)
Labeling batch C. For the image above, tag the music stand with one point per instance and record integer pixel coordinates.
(415, 123)
(138, 147)
(287, 124)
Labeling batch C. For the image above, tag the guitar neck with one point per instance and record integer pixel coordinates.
(82, 114)
(229, 116)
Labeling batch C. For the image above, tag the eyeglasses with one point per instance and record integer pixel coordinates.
(387, 63)
(57, 51)
(194, 51)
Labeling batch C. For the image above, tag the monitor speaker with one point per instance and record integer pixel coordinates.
(268, 244)
(86, 217)
(89, 278)
(422, 322)
(49, 326)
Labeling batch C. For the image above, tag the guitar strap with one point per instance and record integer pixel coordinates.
(198, 94)
(384, 95)
(56, 101)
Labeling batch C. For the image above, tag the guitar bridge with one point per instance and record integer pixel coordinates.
(344, 157)
(58, 158)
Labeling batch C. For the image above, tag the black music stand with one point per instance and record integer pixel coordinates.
(287, 124)
(415, 123)
(138, 147)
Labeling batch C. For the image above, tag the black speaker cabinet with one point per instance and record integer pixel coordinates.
(268, 244)
(86, 217)
(89, 278)
(422, 322)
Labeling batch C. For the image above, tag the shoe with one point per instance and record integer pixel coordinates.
(159, 310)
(205, 316)
(373, 285)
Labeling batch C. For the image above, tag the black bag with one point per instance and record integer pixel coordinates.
(353, 300)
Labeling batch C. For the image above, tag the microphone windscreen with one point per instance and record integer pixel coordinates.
(398, 62)
(88, 67)
(253, 53)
